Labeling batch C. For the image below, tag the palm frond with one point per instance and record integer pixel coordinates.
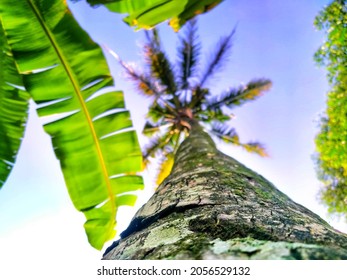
(225, 133)
(151, 129)
(188, 55)
(158, 62)
(197, 98)
(165, 167)
(144, 83)
(238, 96)
(156, 144)
(217, 115)
(218, 59)
(229, 135)
(255, 147)
(159, 110)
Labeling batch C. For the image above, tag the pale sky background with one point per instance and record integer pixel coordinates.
(274, 39)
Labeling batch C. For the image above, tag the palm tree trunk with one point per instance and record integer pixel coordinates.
(213, 207)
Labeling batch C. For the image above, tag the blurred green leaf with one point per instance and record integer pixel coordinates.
(331, 141)
(165, 168)
(148, 13)
(14, 103)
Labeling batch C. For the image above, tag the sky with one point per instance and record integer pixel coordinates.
(274, 39)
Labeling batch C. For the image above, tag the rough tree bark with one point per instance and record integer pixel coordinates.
(213, 207)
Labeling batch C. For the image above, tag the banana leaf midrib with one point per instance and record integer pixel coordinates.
(153, 8)
(77, 90)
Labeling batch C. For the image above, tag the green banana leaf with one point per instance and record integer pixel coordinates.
(148, 13)
(67, 76)
(12, 122)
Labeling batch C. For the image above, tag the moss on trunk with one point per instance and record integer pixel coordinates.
(213, 207)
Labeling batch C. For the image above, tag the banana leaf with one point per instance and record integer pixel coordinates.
(148, 13)
(14, 103)
(67, 76)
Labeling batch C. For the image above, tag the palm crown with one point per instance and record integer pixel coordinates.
(179, 94)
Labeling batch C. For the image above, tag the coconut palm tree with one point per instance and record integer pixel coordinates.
(180, 94)
(210, 200)
(210, 206)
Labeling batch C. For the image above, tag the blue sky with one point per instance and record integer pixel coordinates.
(274, 39)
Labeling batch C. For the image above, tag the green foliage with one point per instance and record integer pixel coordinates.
(180, 96)
(188, 55)
(165, 168)
(46, 56)
(148, 13)
(238, 96)
(229, 135)
(331, 142)
(12, 122)
(160, 66)
(67, 76)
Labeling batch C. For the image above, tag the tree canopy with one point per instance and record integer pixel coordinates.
(331, 142)
(180, 92)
